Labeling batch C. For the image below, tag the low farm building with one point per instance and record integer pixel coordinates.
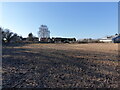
(45, 39)
(107, 39)
(63, 40)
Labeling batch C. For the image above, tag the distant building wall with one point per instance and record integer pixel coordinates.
(105, 40)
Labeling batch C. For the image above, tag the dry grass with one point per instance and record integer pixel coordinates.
(61, 65)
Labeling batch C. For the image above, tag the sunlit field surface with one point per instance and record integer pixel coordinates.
(60, 65)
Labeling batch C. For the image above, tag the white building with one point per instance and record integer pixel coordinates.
(43, 32)
(107, 39)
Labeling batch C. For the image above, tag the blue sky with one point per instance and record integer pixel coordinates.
(64, 19)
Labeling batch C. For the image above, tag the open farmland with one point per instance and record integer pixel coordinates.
(60, 65)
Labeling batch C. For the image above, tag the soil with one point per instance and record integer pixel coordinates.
(60, 66)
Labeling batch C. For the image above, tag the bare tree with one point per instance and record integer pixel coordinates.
(43, 32)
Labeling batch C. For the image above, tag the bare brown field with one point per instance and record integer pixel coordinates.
(60, 66)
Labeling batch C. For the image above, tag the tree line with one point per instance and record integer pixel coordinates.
(8, 36)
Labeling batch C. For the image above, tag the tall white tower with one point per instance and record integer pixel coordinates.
(43, 32)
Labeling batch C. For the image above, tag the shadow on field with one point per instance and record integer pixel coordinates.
(23, 67)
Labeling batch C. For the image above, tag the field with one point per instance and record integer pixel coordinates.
(60, 66)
